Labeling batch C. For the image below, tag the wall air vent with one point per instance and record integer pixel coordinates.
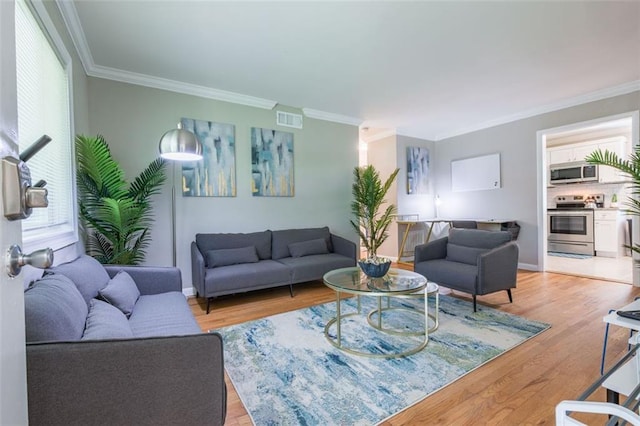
(288, 119)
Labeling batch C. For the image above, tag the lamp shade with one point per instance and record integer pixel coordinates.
(181, 145)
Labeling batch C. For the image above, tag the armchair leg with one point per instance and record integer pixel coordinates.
(208, 304)
(510, 297)
(475, 306)
(291, 289)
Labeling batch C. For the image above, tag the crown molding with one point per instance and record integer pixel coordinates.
(379, 136)
(329, 116)
(180, 87)
(410, 134)
(622, 89)
(72, 21)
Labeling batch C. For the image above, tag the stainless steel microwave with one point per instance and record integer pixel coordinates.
(576, 172)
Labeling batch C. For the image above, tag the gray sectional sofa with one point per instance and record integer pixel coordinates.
(119, 345)
(234, 263)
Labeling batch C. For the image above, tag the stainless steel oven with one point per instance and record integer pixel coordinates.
(570, 225)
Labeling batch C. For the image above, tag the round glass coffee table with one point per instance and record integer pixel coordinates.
(397, 283)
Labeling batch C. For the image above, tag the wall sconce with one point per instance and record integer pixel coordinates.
(178, 145)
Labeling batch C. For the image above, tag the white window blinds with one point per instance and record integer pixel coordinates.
(44, 107)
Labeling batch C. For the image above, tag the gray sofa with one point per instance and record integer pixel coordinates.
(119, 345)
(470, 260)
(234, 263)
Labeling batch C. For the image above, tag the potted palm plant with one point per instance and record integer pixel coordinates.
(371, 222)
(631, 168)
(116, 216)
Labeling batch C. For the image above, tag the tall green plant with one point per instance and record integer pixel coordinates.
(631, 168)
(116, 216)
(369, 194)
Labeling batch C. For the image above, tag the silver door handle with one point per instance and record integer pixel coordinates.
(16, 259)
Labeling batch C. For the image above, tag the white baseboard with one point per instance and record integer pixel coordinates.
(528, 267)
(188, 292)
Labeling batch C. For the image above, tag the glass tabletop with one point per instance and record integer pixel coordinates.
(396, 281)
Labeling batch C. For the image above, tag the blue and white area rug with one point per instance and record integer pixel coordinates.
(287, 373)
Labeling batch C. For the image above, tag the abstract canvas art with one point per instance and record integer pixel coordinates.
(417, 170)
(271, 163)
(215, 174)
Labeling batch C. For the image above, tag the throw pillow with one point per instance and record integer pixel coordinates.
(86, 273)
(106, 322)
(462, 254)
(224, 257)
(54, 310)
(122, 292)
(306, 248)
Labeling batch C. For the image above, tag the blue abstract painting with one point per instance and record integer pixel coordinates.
(271, 163)
(417, 170)
(215, 174)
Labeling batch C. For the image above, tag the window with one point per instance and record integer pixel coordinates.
(44, 107)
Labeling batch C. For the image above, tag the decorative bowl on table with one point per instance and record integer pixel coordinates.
(375, 268)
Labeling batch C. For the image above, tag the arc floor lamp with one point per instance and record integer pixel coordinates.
(178, 145)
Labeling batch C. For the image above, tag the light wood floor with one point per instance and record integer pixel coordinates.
(521, 387)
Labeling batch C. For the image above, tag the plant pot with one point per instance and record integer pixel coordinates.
(374, 270)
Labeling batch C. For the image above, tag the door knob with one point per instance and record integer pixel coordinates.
(16, 259)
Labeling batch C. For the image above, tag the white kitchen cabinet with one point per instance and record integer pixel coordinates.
(560, 155)
(571, 153)
(607, 233)
(609, 174)
(579, 151)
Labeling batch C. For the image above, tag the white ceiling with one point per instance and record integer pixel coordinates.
(425, 69)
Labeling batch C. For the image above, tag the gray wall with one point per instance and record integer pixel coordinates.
(517, 144)
(133, 118)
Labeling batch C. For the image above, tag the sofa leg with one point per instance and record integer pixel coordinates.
(510, 297)
(291, 289)
(208, 304)
(475, 306)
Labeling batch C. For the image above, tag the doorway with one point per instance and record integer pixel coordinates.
(556, 147)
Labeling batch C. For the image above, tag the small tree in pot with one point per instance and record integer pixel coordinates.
(372, 224)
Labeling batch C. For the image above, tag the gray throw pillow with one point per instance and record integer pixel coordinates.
(54, 310)
(462, 254)
(106, 322)
(307, 248)
(122, 292)
(224, 257)
(86, 273)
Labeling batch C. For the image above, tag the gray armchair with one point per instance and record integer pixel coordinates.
(470, 260)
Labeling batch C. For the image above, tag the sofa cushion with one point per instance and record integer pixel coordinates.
(455, 275)
(224, 257)
(465, 245)
(313, 267)
(121, 292)
(464, 254)
(306, 248)
(164, 314)
(282, 238)
(478, 238)
(54, 310)
(106, 322)
(247, 276)
(86, 273)
(260, 240)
